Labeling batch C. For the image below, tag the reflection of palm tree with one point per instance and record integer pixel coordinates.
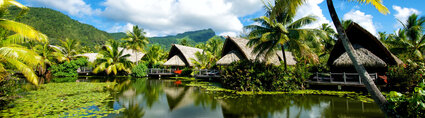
(204, 99)
(132, 110)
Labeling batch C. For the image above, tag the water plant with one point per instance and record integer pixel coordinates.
(63, 100)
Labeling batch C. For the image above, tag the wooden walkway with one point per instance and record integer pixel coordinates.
(160, 72)
(339, 79)
(205, 73)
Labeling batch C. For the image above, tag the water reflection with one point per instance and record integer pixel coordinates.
(163, 98)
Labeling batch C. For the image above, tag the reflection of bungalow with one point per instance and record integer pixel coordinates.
(181, 55)
(178, 97)
(134, 56)
(371, 53)
(236, 49)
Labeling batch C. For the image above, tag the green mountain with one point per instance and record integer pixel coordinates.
(58, 26)
(197, 36)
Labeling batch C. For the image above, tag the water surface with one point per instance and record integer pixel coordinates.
(153, 98)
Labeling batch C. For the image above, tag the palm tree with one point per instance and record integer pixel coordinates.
(155, 55)
(186, 41)
(49, 56)
(205, 60)
(69, 48)
(370, 85)
(281, 32)
(112, 59)
(11, 54)
(214, 45)
(329, 41)
(412, 39)
(136, 40)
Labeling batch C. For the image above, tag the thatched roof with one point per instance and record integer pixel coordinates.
(371, 51)
(185, 54)
(230, 57)
(290, 59)
(365, 58)
(232, 45)
(134, 55)
(176, 60)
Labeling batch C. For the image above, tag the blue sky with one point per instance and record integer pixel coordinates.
(226, 17)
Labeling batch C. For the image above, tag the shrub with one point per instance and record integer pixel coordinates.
(69, 68)
(9, 88)
(256, 76)
(139, 70)
(408, 106)
(403, 78)
(186, 72)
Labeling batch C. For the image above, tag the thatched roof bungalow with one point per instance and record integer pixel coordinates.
(181, 55)
(134, 55)
(372, 54)
(235, 49)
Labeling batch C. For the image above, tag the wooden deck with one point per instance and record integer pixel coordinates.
(339, 79)
(204, 73)
(160, 72)
(85, 70)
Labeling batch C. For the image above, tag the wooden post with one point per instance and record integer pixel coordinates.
(317, 76)
(330, 76)
(360, 80)
(345, 78)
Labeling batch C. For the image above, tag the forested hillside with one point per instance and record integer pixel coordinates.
(58, 26)
(197, 36)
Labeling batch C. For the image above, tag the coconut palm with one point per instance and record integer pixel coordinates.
(205, 60)
(69, 48)
(186, 41)
(136, 40)
(282, 32)
(214, 45)
(412, 39)
(49, 56)
(11, 54)
(329, 40)
(370, 85)
(155, 55)
(112, 59)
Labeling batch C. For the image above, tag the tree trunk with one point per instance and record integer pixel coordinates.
(367, 80)
(284, 56)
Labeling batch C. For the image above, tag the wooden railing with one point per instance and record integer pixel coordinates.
(345, 78)
(206, 72)
(85, 70)
(160, 71)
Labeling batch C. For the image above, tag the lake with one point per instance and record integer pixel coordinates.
(165, 98)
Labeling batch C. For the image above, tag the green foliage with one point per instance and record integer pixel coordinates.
(69, 68)
(139, 70)
(300, 72)
(255, 76)
(403, 78)
(196, 36)
(57, 26)
(186, 41)
(409, 106)
(155, 56)
(64, 100)
(112, 59)
(9, 89)
(186, 72)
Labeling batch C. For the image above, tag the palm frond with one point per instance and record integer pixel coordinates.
(25, 30)
(377, 3)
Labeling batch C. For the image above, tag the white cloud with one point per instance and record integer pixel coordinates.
(164, 17)
(311, 7)
(73, 7)
(403, 13)
(364, 20)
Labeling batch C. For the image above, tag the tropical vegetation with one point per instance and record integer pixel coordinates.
(112, 60)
